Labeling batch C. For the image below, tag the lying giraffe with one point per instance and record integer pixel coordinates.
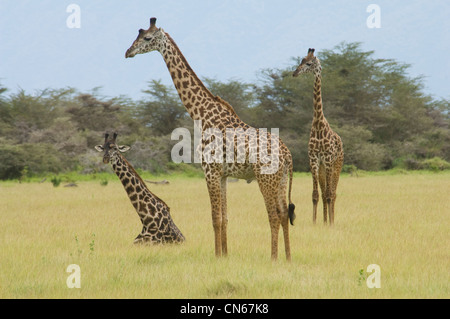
(215, 113)
(157, 224)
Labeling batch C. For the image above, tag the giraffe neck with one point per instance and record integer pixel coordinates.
(126, 173)
(131, 181)
(318, 111)
(196, 98)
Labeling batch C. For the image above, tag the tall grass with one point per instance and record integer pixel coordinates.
(399, 222)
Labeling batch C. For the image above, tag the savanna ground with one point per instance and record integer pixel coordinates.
(400, 222)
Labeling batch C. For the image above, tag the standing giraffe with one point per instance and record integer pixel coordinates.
(325, 150)
(215, 113)
(157, 224)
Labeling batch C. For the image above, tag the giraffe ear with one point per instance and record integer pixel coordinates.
(123, 148)
(99, 148)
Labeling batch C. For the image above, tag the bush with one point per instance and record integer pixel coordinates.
(37, 158)
(12, 161)
(435, 164)
(55, 180)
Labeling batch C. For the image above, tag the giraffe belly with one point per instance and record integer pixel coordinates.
(239, 170)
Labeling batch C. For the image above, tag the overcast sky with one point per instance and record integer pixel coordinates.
(221, 39)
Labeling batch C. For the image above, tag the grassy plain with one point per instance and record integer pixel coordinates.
(400, 222)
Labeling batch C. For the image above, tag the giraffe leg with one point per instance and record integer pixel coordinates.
(274, 221)
(323, 188)
(138, 239)
(314, 166)
(328, 193)
(268, 185)
(214, 189)
(285, 226)
(224, 216)
(284, 215)
(336, 173)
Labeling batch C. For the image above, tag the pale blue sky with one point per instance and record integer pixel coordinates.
(221, 39)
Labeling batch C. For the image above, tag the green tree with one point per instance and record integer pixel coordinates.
(163, 111)
(239, 95)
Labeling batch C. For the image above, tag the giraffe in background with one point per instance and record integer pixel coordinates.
(325, 150)
(215, 113)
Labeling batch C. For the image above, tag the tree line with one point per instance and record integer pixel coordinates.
(381, 113)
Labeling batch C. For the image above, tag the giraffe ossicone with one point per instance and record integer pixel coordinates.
(157, 224)
(215, 113)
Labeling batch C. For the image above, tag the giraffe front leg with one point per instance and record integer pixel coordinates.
(314, 166)
(140, 239)
(323, 188)
(224, 224)
(214, 189)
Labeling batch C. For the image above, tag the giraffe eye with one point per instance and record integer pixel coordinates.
(147, 38)
(309, 63)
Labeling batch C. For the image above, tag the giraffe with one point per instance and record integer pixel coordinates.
(215, 113)
(157, 224)
(325, 150)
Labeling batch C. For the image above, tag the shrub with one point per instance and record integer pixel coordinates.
(55, 180)
(435, 164)
(12, 161)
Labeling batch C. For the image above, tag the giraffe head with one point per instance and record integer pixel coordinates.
(147, 40)
(110, 148)
(309, 64)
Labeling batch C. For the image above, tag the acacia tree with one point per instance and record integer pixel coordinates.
(163, 111)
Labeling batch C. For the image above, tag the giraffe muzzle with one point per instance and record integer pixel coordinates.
(129, 53)
(105, 159)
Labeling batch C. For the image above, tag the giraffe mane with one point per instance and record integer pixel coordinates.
(199, 82)
(226, 104)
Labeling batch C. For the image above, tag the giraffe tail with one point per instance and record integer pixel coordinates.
(291, 205)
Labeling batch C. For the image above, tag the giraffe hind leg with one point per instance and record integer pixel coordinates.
(335, 181)
(269, 193)
(329, 193)
(285, 214)
(273, 189)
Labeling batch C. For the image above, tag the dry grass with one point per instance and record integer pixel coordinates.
(399, 222)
